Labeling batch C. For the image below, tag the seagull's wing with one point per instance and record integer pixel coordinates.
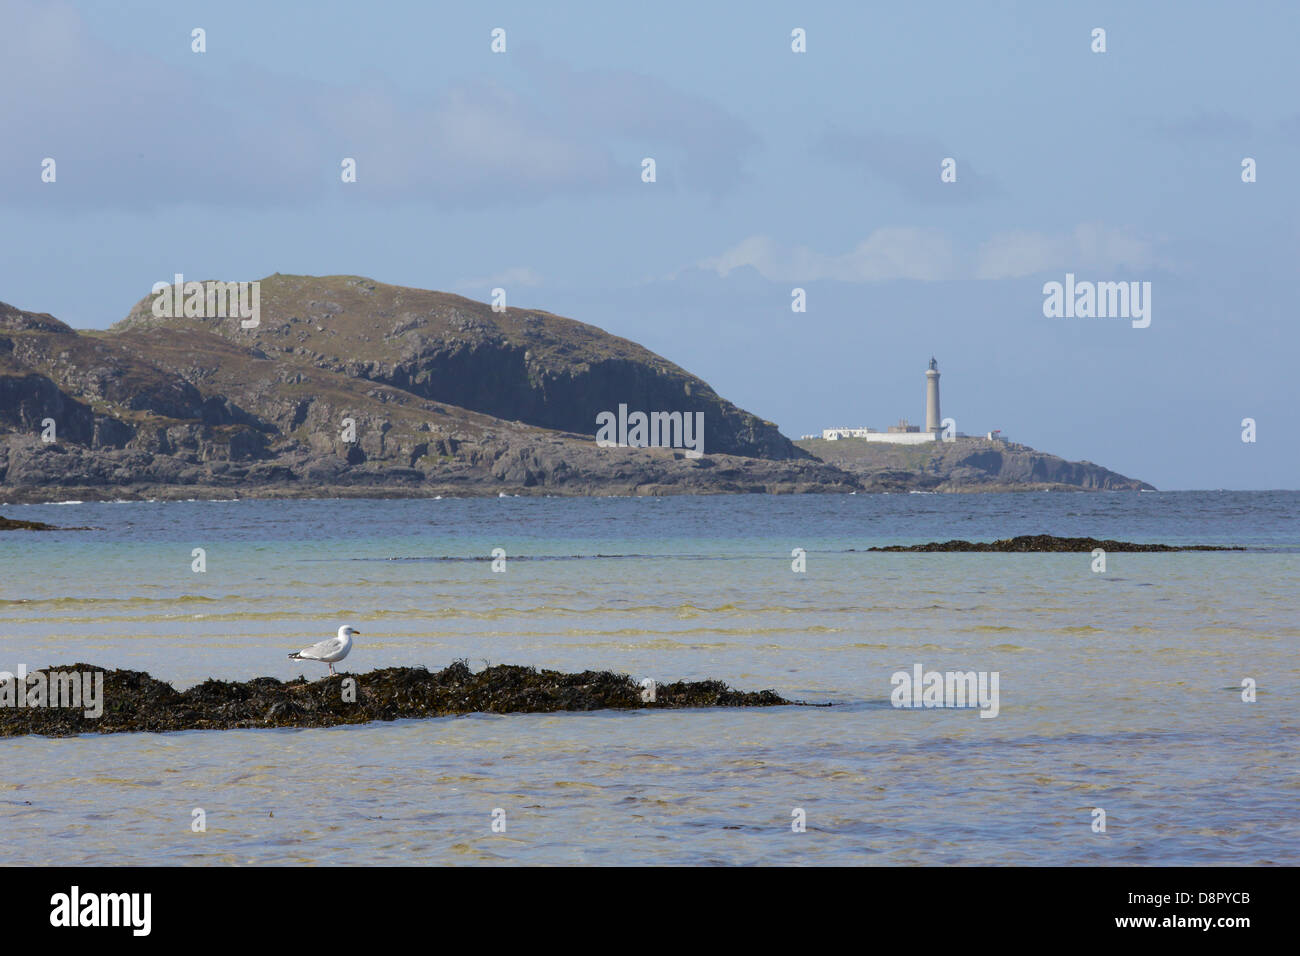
(321, 649)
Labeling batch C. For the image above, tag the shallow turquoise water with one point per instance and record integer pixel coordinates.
(1118, 690)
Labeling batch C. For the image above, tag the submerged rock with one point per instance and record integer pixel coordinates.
(1047, 542)
(135, 701)
(13, 524)
(10, 524)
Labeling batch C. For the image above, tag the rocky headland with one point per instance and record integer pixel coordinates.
(967, 464)
(348, 387)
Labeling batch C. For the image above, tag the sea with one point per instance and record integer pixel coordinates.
(1163, 692)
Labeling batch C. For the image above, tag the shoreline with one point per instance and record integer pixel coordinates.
(81, 494)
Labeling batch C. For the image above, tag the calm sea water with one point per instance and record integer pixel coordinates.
(1119, 690)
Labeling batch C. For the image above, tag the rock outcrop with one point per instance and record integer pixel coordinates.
(1037, 543)
(349, 387)
(967, 464)
(135, 701)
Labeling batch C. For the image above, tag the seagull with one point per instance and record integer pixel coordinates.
(328, 651)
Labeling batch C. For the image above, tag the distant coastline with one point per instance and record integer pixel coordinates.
(346, 387)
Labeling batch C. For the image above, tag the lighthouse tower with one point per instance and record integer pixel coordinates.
(932, 416)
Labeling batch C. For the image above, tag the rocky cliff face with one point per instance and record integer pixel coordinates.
(519, 365)
(351, 387)
(348, 386)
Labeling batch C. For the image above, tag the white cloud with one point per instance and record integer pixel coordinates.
(929, 255)
(888, 253)
(1010, 255)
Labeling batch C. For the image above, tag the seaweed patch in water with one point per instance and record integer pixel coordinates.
(135, 701)
(1027, 543)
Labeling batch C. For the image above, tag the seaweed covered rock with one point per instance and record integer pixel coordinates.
(1028, 543)
(135, 701)
(14, 524)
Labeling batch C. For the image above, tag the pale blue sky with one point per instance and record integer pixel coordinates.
(775, 170)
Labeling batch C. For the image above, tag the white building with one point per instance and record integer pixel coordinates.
(903, 433)
(903, 438)
(833, 434)
(870, 434)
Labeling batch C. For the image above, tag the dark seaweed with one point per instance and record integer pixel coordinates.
(135, 701)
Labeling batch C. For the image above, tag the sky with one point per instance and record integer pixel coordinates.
(775, 170)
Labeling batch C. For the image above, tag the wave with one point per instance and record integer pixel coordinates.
(72, 601)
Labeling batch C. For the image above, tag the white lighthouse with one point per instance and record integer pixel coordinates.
(905, 433)
(932, 417)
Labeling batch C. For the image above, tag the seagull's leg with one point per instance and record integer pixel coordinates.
(332, 671)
